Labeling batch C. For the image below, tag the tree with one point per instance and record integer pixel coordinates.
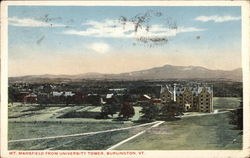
(106, 110)
(236, 117)
(109, 109)
(127, 111)
(150, 111)
(43, 100)
(47, 88)
(11, 94)
(170, 109)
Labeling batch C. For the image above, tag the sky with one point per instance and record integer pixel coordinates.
(116, 39)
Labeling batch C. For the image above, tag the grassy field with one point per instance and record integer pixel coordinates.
(31, 121)
(222, 103)
(211, 132)
(19, 112)
(37, 130)
(198, 132)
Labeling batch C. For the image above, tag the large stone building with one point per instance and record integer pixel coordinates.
(199, 98)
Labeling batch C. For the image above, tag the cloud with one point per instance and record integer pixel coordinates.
(217, 18)
(28, 22)
(115, 29)
(99, 47)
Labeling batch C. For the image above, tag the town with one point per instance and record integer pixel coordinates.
(175, 97)
(60, 108)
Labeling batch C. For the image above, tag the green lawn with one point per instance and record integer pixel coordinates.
(37, 130)
(33, 112)
(223, 103)
(190, 133)
(32, 121)
(211, 132)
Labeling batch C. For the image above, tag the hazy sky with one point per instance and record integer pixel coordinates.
(73, 40)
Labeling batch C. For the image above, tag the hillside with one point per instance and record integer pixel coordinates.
(165, 72)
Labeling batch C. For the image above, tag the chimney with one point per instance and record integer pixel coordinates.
(174, 92)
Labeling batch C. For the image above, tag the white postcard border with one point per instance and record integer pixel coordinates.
(148, 153)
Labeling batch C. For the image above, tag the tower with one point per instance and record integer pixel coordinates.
(174, 92)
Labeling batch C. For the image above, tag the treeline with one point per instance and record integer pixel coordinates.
(220, 88)
(227, 89)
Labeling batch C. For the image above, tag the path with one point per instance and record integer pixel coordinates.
(130, 138)
(204, 114)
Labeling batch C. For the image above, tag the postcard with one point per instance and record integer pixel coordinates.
(125, 79)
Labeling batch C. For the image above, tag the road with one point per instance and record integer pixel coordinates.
(203, 114)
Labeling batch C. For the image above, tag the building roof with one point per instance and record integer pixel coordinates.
(57, 94)
(209, 89)
(31, 95)
(166, 88)
(117, 89)
(146, 96)
(109, 96)
(68, 94)
(179, 90)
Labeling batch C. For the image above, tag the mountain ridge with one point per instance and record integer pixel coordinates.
(164, 72)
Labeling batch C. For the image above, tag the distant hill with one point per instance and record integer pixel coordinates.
(166, 72)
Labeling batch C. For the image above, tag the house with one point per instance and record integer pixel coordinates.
(30, 98)
(21, 95)
(147, 99)
(109, 98)
(79, 98)
(117, 90)
(93, 99)
(68, 94)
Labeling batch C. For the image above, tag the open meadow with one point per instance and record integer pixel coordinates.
(210, 132)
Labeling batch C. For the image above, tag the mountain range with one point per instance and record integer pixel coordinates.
(166, 72)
